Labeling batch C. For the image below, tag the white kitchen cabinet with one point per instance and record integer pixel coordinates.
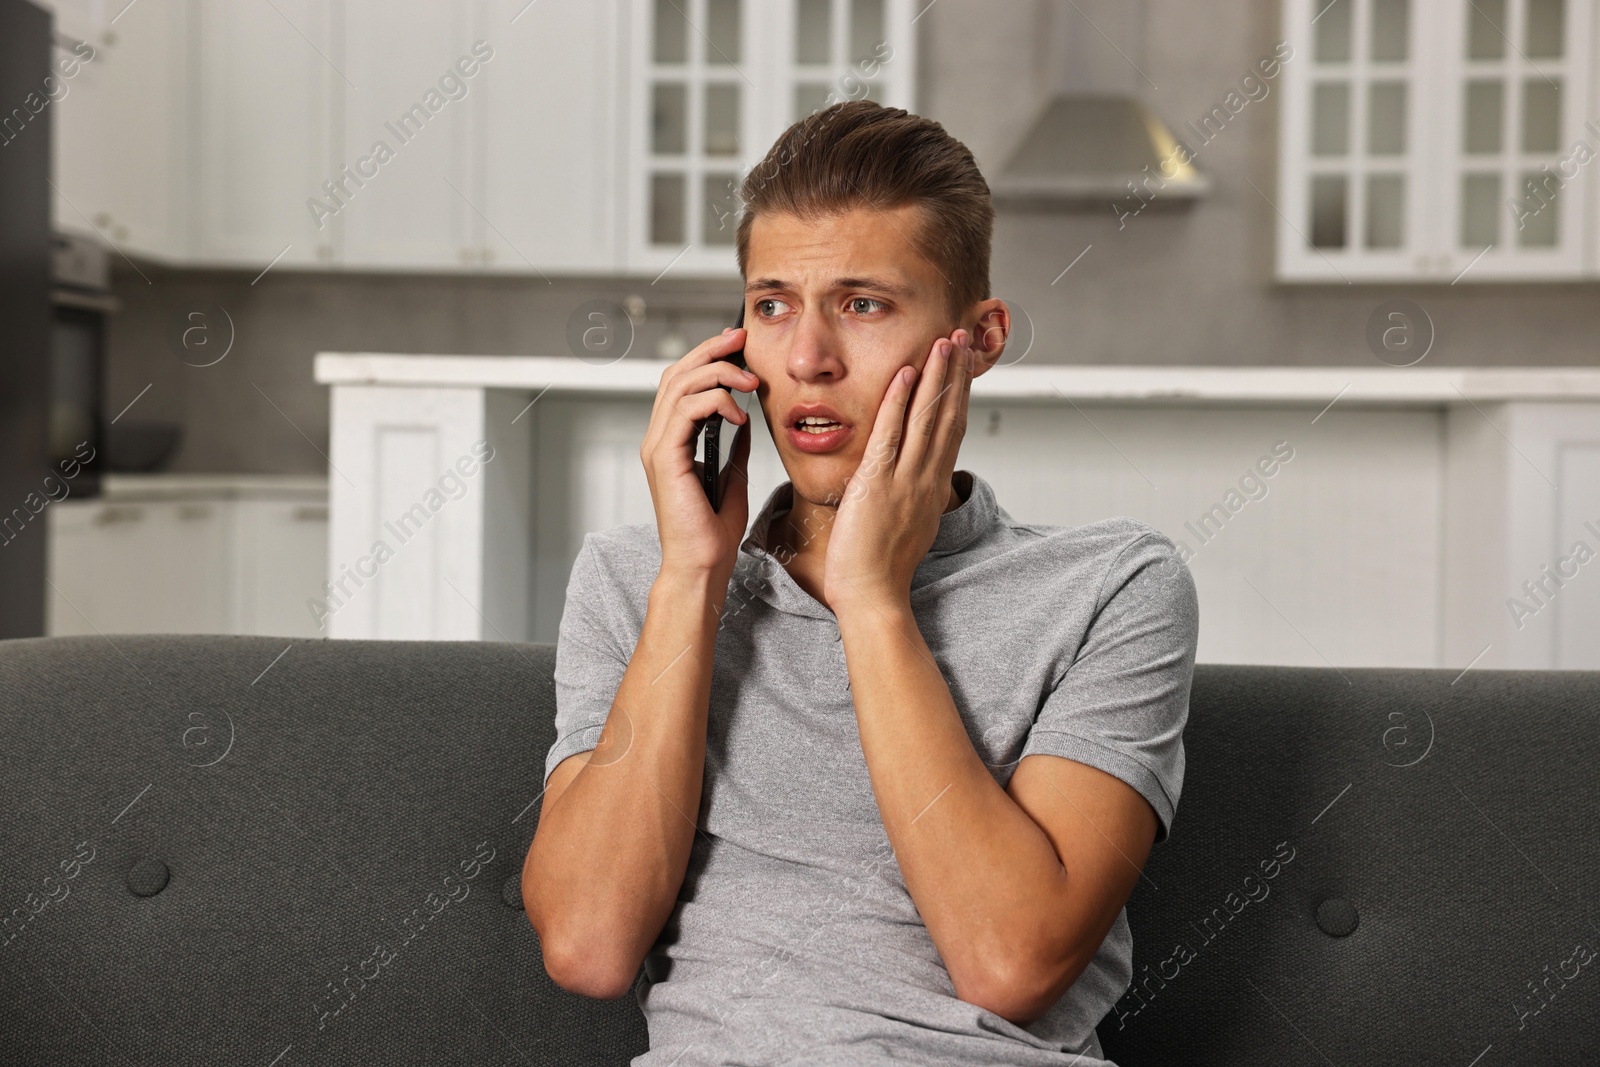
(119, 137)
(1517, 77)
(514, 167)
(280, 552)
(267, 93)
(714, 82)
(189, 554)
(1427, 496)
(552, 146)
(415, 210)
(516, 137)
(137, 566)
(1437, 140)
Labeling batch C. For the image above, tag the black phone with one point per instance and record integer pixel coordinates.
(715, 468)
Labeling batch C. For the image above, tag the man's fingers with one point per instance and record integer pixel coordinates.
(883, 445)
(680, 394)
(925, 405)
(707, 351)
(950, 423)
(738, 445)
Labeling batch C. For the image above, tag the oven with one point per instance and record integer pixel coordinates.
(81, 301)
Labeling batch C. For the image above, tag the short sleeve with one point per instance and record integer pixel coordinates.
(590, 659)
(1122, 703)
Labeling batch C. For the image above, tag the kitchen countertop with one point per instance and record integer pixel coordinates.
(1378, 385)
(127, 488)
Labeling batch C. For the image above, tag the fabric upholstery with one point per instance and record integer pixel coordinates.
(1468, 865)
(203, 838)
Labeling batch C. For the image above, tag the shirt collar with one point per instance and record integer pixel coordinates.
(958, 528)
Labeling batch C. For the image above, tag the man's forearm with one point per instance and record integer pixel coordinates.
(610, 855)
(975, 864)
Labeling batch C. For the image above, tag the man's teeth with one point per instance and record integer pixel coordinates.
(814, 424)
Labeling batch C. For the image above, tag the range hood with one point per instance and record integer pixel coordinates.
(1094, 134)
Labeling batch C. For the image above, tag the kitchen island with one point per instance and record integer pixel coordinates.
(1403, 517)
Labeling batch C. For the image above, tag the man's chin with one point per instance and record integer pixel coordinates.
(820, 479)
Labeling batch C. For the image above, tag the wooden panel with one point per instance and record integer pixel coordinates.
(407, 459)
(1476, 537)
(1337, 557)
(508, 506)
(420, 452)
(1364, 533)
(140, 567)
(120, 133)
(413, 210)
(551, 108)
(266, 89)
(1577, 610)
(1344, 542)
(589, 477)
(281, 562)
(1551, 493)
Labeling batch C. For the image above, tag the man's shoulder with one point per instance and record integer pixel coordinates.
(1109, 540)
(631, 537)
(627, 556)
(1103, 555)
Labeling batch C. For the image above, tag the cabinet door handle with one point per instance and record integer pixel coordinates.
(194, 511)
(311, 513)
(118, 513)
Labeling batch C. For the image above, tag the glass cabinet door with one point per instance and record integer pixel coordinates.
(1352, 158)
(721, 79)
(696, 94)
(1436, 139)
(1514, 83)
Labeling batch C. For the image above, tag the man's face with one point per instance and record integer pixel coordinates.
(834, 307)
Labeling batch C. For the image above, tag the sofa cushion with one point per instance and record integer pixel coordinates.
(257, 850)
(337, 825)
(1374, 866)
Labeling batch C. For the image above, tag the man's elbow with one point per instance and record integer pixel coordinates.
(578, 961)
(1022, 990)
(1017, 1002)
(580, 969)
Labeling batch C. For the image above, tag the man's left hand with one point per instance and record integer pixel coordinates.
(889, 516)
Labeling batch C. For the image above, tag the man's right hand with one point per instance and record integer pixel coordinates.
(605, 868)
(696, 540)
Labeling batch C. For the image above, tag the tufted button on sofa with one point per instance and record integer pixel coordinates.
(263, 851)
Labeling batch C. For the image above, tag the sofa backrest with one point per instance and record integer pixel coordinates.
(335, 827)
(1374, 866)
(239, 849)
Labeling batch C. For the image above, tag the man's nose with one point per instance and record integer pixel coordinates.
(813, 349)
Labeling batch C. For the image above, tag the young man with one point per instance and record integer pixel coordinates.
(872, 783)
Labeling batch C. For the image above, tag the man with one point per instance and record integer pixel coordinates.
(871, 783)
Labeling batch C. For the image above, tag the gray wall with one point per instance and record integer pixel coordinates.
(1189, 286)
(230, 410)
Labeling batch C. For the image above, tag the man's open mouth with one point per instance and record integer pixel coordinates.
(815, 424)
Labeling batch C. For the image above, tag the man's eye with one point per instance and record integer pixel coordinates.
(856, 301)
(760, 305)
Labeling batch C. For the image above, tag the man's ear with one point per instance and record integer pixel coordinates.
(990, 331)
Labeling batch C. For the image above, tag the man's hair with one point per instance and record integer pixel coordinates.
(862, 154)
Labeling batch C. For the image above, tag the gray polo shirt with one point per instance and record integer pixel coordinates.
(794, 940)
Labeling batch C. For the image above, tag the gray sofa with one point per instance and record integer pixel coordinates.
(258, 851)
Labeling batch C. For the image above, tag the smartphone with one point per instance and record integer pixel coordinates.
(715, 451)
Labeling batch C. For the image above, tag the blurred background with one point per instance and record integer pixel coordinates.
(1310, 286)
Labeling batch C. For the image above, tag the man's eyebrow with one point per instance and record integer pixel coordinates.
(877, 285)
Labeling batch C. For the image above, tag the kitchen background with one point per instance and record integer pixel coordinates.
(1193, 285)
(1337, 156)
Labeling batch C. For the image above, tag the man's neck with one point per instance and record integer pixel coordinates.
(802, 532)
